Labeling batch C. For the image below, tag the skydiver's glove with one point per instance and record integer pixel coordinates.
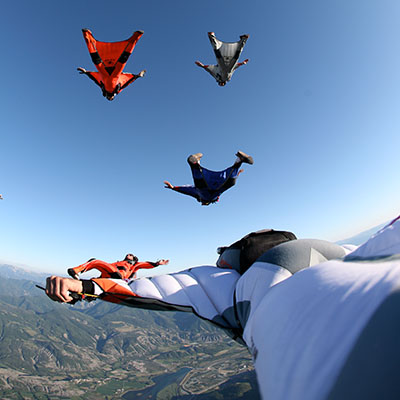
(76, 297)
(81, 70)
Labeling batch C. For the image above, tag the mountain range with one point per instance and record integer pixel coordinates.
(101, 350)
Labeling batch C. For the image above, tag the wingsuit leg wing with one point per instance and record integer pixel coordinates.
(123, 58)
(116, 63)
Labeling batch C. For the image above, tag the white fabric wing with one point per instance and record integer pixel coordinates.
(207, 290)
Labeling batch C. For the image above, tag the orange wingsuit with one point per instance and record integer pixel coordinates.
(110, 59)
(118, 270)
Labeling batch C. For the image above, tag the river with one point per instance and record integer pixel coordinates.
(160, 383)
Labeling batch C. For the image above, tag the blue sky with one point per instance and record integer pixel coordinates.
(317, 107)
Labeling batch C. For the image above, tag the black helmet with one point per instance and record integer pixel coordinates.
(132, 261)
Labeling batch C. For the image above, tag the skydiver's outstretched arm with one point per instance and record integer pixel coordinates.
(59, 289)
(240, 64)
(187, 189)
(132, 79)
(150, 264)
(90, 75)
(209, 68)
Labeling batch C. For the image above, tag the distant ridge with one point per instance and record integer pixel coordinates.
(362, 237)
(11, 272)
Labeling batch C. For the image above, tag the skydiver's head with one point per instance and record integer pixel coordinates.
(221, 83)
(131, 259)
(110, 96)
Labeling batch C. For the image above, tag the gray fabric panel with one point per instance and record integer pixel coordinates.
(243, 309)
(372, 368)
(234, 330)
(296, 255)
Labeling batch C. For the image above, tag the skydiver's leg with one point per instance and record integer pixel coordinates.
(231, 174)
(123, 59)
(197, 171)
(216, 44)
(241, 43)
(91, 45)
(233, 64)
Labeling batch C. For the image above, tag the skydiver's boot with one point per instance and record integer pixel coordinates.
(194, 158)
(244, 157)
(141, 73)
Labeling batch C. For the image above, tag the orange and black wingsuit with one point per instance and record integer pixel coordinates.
(125, 269)
(110, 59)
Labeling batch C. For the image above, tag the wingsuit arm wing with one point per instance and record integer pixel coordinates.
(206, 291)
(211, 69)
(240, 64)
(127, 79)
(188, 190)
(94, 76)
(106, 269)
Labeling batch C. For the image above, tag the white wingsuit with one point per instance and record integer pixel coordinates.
(320, 320)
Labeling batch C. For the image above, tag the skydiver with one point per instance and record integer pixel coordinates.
(209, 185)
(125, 269)
(227, 58)
(110, 60)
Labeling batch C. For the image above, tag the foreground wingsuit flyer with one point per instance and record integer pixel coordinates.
(110, 59)
(320, 320)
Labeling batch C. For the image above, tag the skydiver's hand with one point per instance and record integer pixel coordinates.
(240, 171)
(168, 185)
(81, 70)
(162, 262)
(199, 63)
(58, 289)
